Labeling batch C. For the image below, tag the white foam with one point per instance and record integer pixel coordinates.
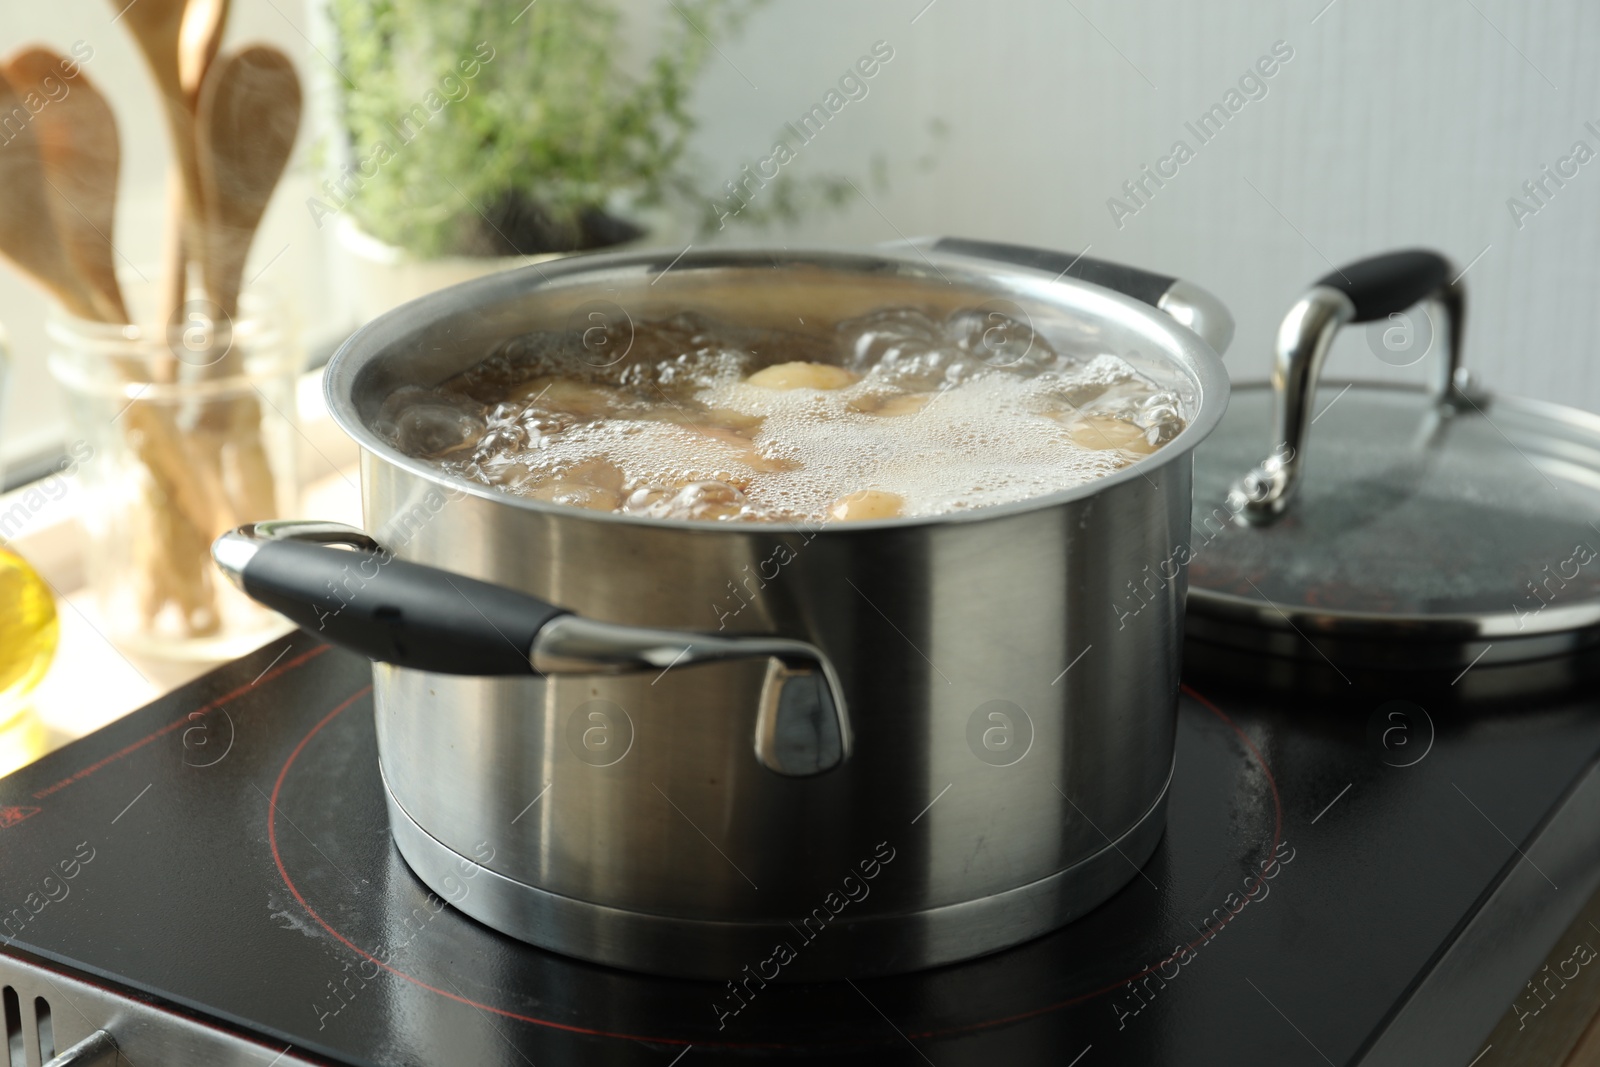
(982, 442)
(988, 436)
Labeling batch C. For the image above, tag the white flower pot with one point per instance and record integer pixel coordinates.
(377, 276)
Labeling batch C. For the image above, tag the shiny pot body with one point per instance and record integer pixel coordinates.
(1010, 673)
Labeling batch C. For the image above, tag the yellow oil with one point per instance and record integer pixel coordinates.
(28, 633)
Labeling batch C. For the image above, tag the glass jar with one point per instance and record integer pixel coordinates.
(176, 435)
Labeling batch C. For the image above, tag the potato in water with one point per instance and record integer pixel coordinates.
(803, 376)
(898, 414)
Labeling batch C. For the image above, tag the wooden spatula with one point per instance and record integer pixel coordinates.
(248, 116)
(27, 226)
(77, 137)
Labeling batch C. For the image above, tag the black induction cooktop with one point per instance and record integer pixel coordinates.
(223, 856)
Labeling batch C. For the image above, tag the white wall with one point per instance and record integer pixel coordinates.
(1393, 125)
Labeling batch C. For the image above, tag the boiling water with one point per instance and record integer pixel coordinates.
(895, 414)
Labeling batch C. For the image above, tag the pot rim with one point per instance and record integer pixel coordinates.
(371, 342)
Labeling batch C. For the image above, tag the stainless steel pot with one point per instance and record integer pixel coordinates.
(941, 736)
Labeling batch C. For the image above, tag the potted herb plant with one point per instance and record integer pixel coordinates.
(472, 136)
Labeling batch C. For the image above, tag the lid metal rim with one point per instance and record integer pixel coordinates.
(1367, 654)
(1439, 628)
(1266, 615)
(1547, 410)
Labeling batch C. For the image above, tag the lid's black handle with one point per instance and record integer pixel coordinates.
(1364, 291)
(1186, 302)
(398, 612)
(1380, 286)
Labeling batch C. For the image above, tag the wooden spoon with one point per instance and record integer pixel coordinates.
(27, 227)
(29, 238)
(245, 130)
(199, 37)
(248, 117)
(78, 145)
(157, 27)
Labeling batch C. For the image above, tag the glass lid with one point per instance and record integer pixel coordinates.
(1403, 517)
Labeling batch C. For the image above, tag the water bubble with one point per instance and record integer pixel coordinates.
(435, 430)
(1000, 333)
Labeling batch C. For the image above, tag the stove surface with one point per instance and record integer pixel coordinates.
(230, 858)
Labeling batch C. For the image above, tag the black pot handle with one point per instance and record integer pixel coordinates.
(1186, 302)
(388, 609)
(427, 619)
(1367, 290)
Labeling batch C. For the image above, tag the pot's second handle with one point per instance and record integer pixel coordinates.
(428, 619)
(1186, 302)
(1142, 285)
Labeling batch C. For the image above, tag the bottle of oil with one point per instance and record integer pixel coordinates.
(28, 633)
